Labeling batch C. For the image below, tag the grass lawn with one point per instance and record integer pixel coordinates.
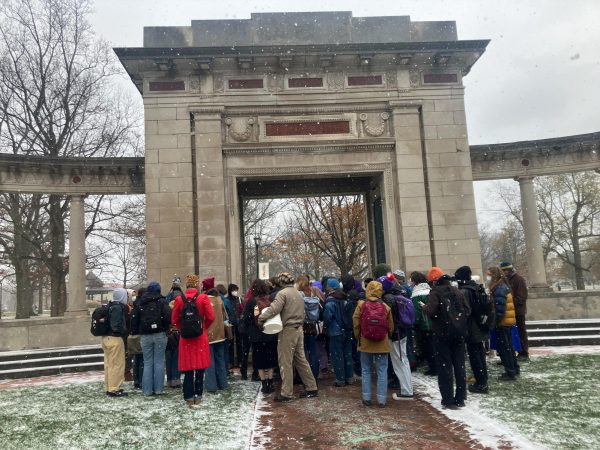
(80, 416)
(556, 401)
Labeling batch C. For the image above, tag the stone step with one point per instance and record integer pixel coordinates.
(49, 362)
(49, 370)
(549, 341)
(563, 331)
(571, 323)
(57, 352)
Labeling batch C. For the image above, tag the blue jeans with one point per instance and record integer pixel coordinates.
(381, 365)
(341, 356)
(193, 384)
(310, 350)
(171, 363)
(153, 348)
(216, 374)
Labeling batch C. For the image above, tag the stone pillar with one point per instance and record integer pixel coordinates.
(533, 241)
(76, 297)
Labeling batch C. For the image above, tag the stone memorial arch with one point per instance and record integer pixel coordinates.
(311, 102)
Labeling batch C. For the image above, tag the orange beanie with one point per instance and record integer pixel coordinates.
(434, 274)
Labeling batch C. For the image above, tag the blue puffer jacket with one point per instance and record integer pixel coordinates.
(499, 294)
(332, 313)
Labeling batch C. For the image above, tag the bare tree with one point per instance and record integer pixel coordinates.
(335, 226)
(56, 100)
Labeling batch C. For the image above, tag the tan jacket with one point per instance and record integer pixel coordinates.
(216, 331)
(288, 302)
(366, 345)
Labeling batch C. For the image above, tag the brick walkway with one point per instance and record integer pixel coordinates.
(338, 420)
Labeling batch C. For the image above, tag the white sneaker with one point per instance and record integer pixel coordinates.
(403, 397)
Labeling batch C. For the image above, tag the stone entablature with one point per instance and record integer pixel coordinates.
(536, 158)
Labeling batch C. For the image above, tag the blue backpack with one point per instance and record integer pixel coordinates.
(312, 309)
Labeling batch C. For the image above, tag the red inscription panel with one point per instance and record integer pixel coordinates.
(440, 78)
(166, 85)
(305, 82)
(365, 80)
(254, 83)
(307, 128)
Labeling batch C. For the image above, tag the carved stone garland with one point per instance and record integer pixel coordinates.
(240, 130)
(374, 130)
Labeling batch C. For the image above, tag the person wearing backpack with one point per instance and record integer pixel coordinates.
(192, 316)
(449, 312)
(373, 325)
(479, 330)
(313, 311)
(403, 316)
(151, 319)
(113, 345)
(423, 334)
(505, 319)
(264, 346)
(339, 333)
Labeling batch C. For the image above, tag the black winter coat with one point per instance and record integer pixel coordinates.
(136, 318)
(476, 334)
(250, 327)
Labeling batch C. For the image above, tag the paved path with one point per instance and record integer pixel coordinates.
(338, 420)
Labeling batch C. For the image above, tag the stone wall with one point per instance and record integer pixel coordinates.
(26, 334)
(563, 305)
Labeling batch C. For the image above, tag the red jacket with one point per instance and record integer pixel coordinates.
(194, 353)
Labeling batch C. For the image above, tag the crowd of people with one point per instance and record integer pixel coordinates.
(384, 327)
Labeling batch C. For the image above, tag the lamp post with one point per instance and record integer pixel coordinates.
(257, 240)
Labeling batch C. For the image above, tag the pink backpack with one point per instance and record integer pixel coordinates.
(373, 321)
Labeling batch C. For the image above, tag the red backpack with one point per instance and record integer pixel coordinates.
(373, 321)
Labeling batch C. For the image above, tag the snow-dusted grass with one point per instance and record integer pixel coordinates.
(81, 416)
(555, 403)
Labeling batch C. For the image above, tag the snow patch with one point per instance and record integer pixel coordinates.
(480, 427)
(259, 437)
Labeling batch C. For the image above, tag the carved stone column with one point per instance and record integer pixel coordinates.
(533, 241)
(76, 305)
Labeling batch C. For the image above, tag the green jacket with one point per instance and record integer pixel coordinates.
(421, 294)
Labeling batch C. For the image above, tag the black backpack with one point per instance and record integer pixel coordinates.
(482, 307)
(151, 319)
(452, 313)
(191, 322)
(101, 321)
(347, 313)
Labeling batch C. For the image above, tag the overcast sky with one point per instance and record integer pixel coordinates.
(539, 77)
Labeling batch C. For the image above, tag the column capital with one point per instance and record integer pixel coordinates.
(524, 178)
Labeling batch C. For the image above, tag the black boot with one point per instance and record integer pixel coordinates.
(264, 389)
(270, 386)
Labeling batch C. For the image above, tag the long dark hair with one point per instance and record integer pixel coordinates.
(259, 288)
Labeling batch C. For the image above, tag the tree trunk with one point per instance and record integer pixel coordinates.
(20, 263)
(579, 282)
(40, 299)
(58, 290)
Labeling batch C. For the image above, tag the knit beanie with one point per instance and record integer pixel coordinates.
(463, 273)
(398, 274)
(386, 282)
(317, 284)
(434, 274)
(374, 290)
(208, 283)
(332, 283)
(506, 265)
(120, 296)
(285, 279)
(153, 288)
(192, 281)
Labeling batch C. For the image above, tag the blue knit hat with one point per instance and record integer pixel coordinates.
(153, 287)
(386, 282)
(332, 283)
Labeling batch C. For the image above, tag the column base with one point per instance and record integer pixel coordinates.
(77, 312)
